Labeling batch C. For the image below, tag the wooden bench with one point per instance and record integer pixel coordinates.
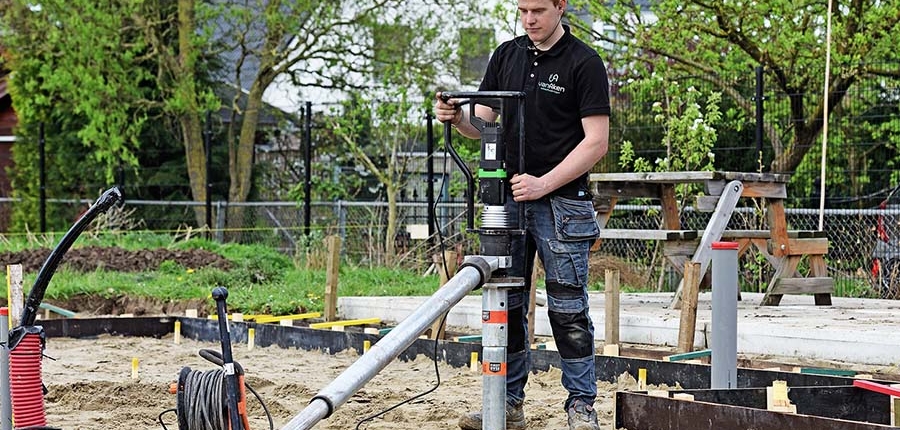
(680, 245)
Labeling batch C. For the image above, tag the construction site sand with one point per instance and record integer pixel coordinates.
(91, 387)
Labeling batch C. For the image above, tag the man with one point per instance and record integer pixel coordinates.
(566, 132)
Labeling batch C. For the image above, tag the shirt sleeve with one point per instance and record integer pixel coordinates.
(594, 83)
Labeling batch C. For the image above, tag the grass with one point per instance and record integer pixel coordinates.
(262, 280)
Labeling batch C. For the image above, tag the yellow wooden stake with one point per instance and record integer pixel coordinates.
(473, 362)
(177, 332)
(134, 368)
(251, 338)
(642, 379)
(366, 345)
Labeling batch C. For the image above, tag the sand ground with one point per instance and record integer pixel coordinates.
(91, 387)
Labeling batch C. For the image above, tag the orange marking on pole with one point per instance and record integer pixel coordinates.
(494, 317)
(493, 369)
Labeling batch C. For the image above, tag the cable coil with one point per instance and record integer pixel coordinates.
(201, 402)
(202, 399)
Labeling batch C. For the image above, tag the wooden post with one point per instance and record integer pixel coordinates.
(612, 307)
(15, 294)
(689, 307)
(446, 268)
(331, 277)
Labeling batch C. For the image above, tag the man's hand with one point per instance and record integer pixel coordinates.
(526, 187)
(447, 111)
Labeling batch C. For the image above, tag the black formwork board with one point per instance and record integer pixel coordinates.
(457, 354)
(840, 402)
(89, 327)
(639, 411)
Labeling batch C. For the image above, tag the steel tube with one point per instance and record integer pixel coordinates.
(5, 399)
(724, 315)
(389, 347)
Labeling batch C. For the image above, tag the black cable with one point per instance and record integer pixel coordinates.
(203, 402)
(442, 248)
(437, 384)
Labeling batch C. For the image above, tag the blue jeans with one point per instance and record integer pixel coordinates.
(560, 231)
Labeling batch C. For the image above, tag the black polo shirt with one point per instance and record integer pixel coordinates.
(562, 85)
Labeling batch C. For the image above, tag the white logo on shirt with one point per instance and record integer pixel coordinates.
(551, 86)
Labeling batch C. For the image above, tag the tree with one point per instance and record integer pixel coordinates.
(76, 70)
(112, 64)
(718, 39)
(328, 45)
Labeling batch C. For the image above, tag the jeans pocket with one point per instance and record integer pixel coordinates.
(574, 219)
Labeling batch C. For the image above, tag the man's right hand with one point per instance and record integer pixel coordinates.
(447, 110)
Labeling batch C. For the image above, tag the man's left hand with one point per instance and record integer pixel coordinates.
(526, 187)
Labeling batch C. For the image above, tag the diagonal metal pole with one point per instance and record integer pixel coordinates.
(475, 271)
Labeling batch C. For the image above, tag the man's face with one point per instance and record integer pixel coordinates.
(540, 18)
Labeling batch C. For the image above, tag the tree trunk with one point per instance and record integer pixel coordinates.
(390, 233)
(189, 119)
(241, 158)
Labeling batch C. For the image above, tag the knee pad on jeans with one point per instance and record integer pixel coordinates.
(568, 314)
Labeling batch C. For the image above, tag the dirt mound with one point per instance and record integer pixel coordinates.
(90, 258)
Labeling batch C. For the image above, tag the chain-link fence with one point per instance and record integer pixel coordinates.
(853, 235)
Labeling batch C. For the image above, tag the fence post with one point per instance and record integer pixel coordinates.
(221, 209)
(331, 277)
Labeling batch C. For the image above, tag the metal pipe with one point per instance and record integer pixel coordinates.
(724, 314)
(5, 399)
(391, 345)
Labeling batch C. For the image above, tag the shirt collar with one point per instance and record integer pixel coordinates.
(558, 46)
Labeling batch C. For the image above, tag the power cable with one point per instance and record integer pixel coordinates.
(442, 249)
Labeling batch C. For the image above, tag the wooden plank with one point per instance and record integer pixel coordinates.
(346, 323)
(647, 234)
(294, 317)
(800, 247)
(669, 202)
(332, 269)
(603, 215)
(776, 190)
(626, 190)
(706, 203)
(784, 269)
(689, 355)
(688, 323)
(15, 293)
(817, 285)
(656, 177)
(829, 372)
(611, 325)
(778, 226)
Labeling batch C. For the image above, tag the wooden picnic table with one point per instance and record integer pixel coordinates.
(782, 248)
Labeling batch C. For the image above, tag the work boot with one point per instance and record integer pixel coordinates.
(582, 416)
(515, 418)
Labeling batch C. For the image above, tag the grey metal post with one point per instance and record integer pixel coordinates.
(724, 314)
(494, 340)
(5, 397)
(391, 345)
